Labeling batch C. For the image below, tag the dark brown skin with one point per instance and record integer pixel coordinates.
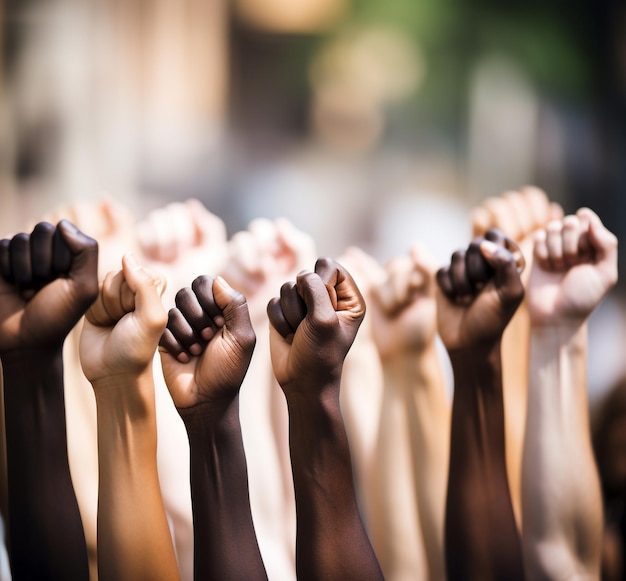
(49, 279)
(481, 289)
(313, 325)
(205, 352)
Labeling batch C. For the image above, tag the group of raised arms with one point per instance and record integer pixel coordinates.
(183, 405)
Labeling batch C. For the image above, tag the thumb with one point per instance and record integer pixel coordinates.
(76, 254)
(506, 278)
(236, 315)
(148, 288)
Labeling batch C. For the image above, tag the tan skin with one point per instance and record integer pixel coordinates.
(205, 352)
(49, 279)
(480, 291)
(117, 347)
(313, 324)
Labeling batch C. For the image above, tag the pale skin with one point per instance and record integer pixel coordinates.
(117, 346)
(313, 324)
(205, 352)
(480, 291)
(519, 214)
(261, 258)
(575, 266)
(415, 417)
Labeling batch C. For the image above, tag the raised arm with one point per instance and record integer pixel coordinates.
(575, 266)
(414, 437)
(117, 347)
(313, 324)
(480, 291)
(49, 279)
(205, 353)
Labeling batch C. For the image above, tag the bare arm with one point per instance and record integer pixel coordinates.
(205, 353)
(575, 265)
(49, 280)
(480, 292)
(314, 322)
(118, 342)
(415, 418)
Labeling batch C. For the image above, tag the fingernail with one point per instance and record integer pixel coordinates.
(132, 261)
(229, 289)
(490, 247)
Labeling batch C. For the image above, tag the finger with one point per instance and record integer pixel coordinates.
(555, 211)
(602, 240)
(319, 305)
(111, 295)
(84, 263)
(173, 347)
(501, 239)
(148, 288)
(202, 287)
(277, 318)
(542, 257)
(462, 287)
(482, 220)
(19, 252)
(554, 242)
(570, 236)
(445, 282)
(479, 272)
(507, 276)
(520, 209)
(538, 204)
(209, 228)
(502, 216)
(5, 260)
(342, 290)
(292, 305)
(299, 244)
(188, 304)
(183, 332)
(41, 253)
(163, 241)
(236, 314)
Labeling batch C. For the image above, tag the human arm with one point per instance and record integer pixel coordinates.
(49, 279)
(205, 353)
(575, 266)
(518, 214)
(313, 324)
(415, 413)
(117, 346)
(480, 291)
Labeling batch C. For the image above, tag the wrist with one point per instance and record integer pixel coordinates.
(131, 394)
(411, 368)
(478, 367)
(212, 418)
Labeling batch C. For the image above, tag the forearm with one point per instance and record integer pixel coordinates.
(481, 537)
(45, 529)
(224, 537)
(331, 540)
(134, 540)
(561, 491)
(396, 533)
(418, 380)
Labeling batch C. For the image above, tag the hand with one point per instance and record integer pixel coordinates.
(122, 328)
(403, 309)
(208, 343)
(575, 266)
(109, 222)
(262, 257)
(480, 291)
(518, 214)
(49, 279)
(183, 240)
(313, 324)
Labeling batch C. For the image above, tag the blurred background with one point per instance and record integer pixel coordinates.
(367, 122)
